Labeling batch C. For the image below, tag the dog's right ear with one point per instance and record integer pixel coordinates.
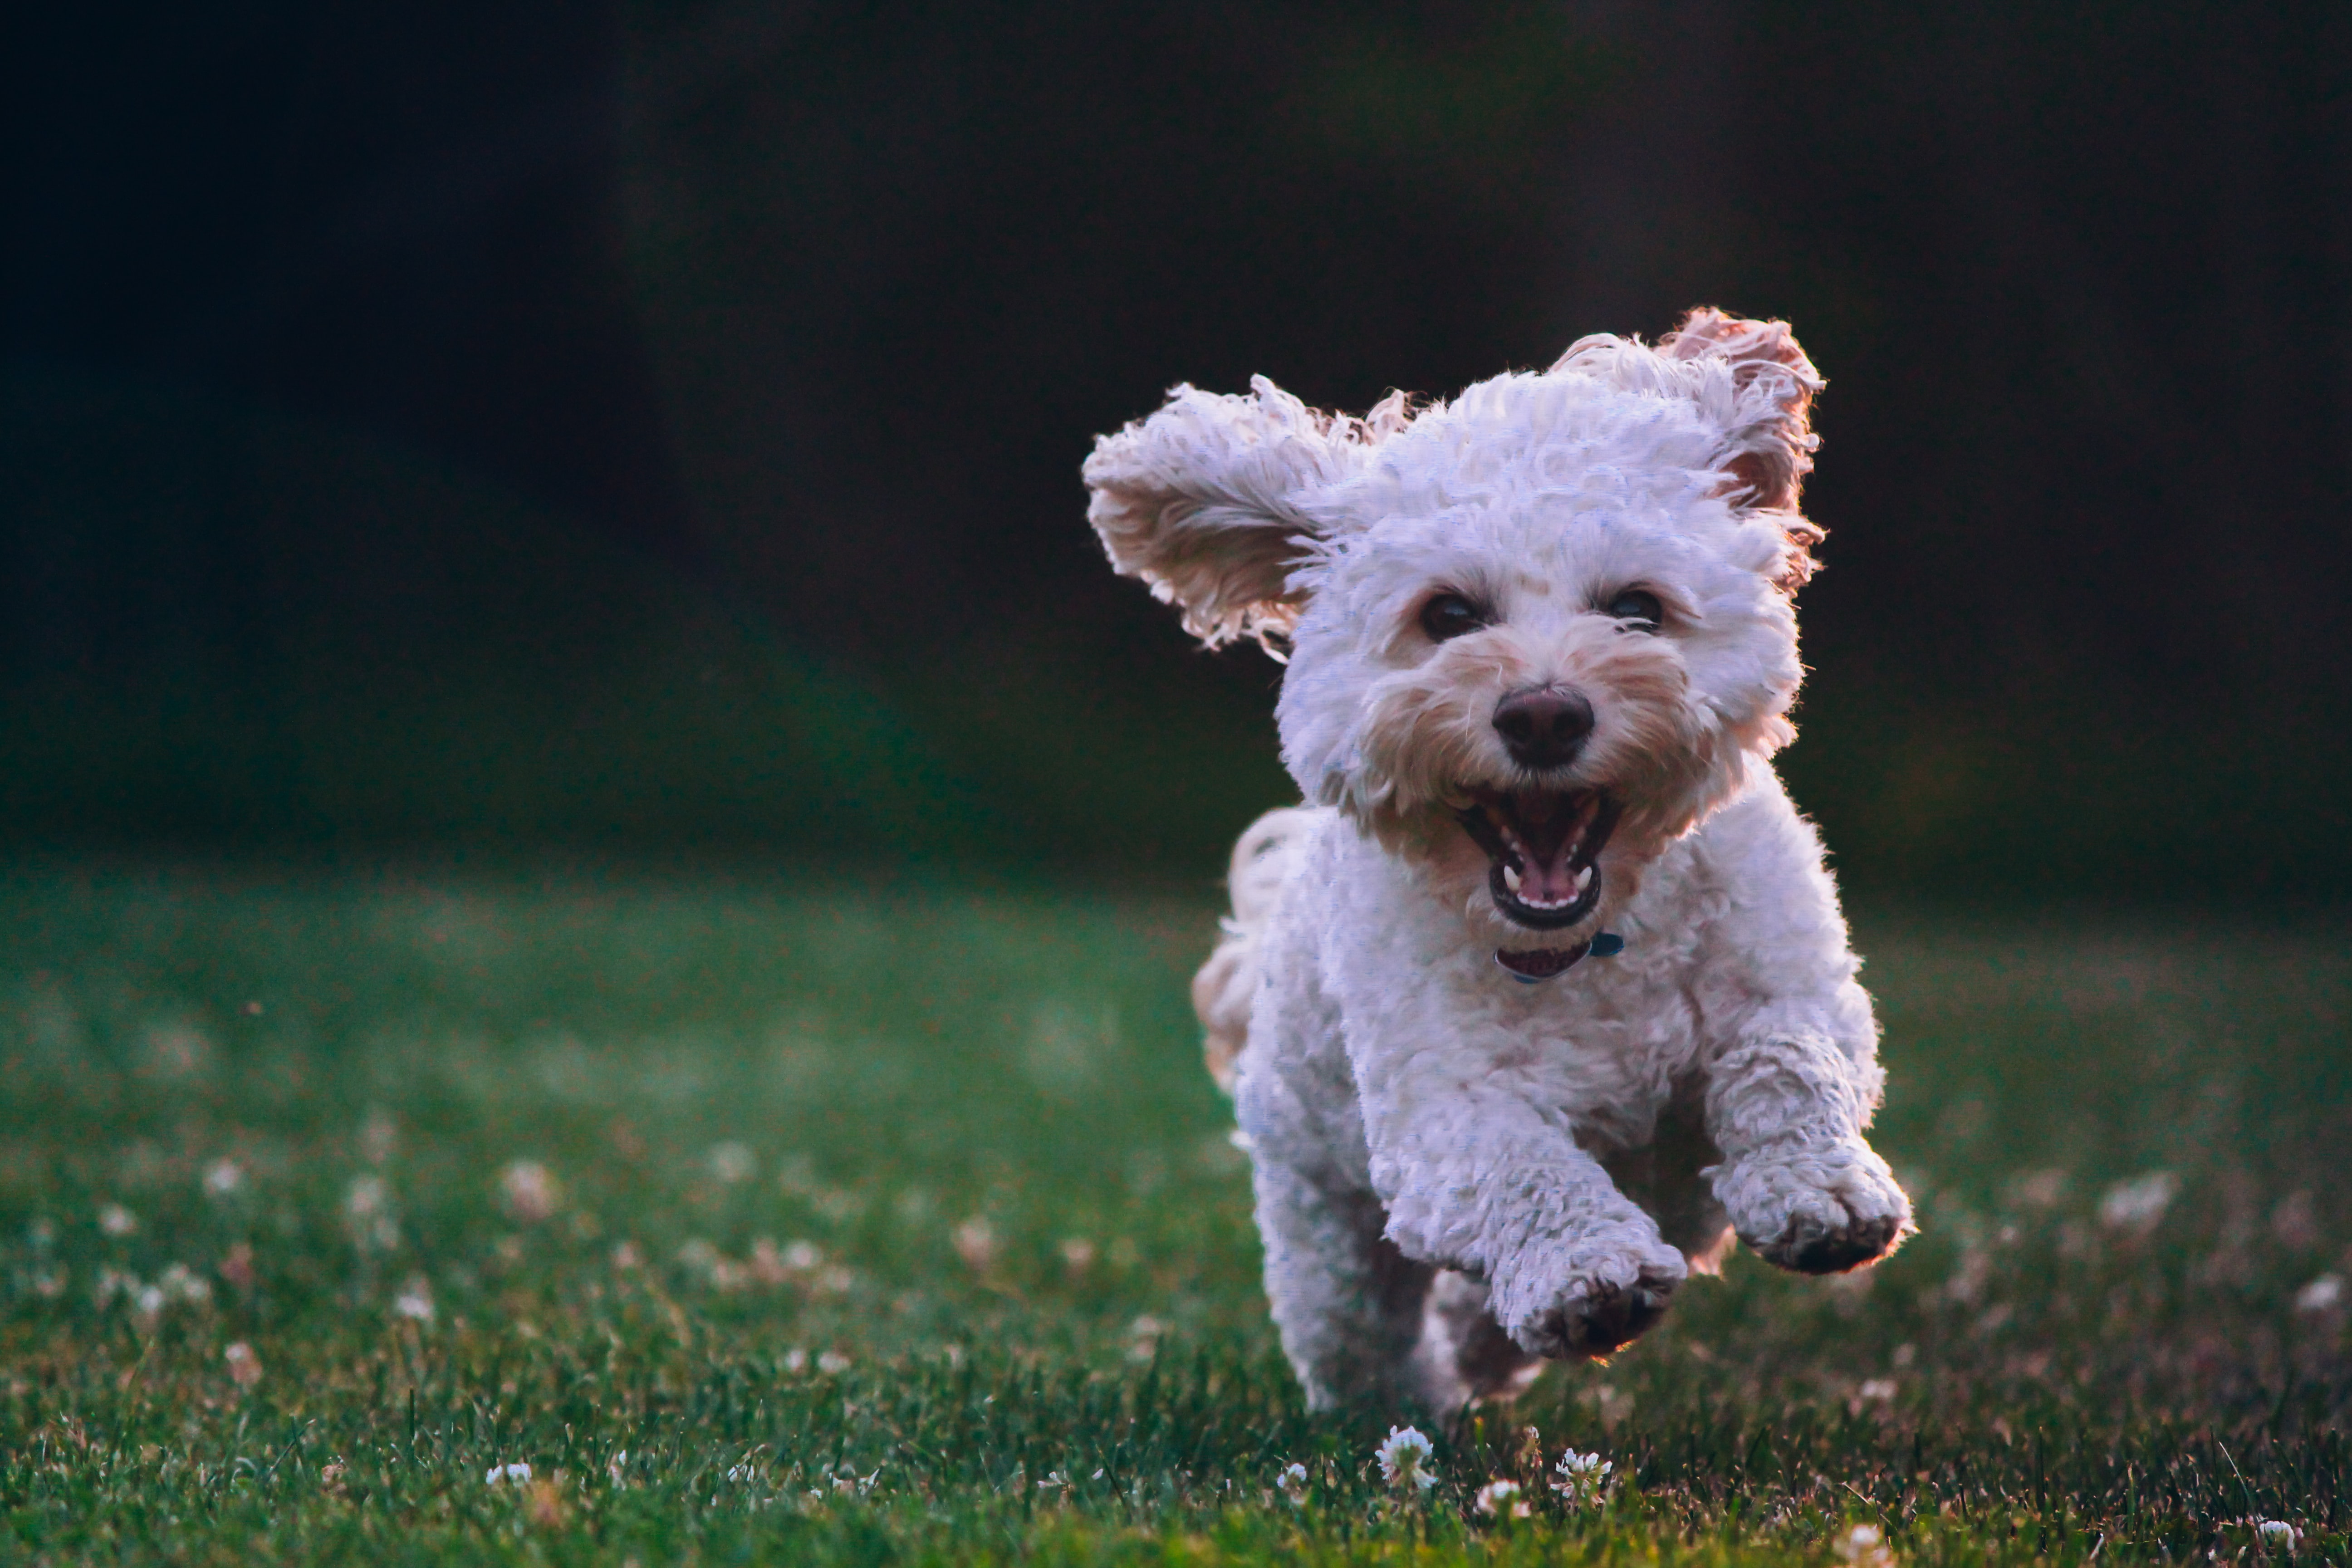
(1204, 502)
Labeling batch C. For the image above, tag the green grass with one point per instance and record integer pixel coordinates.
(902, 1228)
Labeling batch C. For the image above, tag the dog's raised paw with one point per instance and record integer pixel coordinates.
(1609, 1317)
(1602, 1306)
(1811, 1250)
(1819, 1210)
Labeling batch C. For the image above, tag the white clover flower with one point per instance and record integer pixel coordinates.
(733, 1164)
(2323, 1294)
(1501, 1499)
(1291, 1481)
(499, 1474)
(224, 1178)
(368, 1216)
(975, 1243)
(530, 1190)
(2136, 1206)
(244, 1366)
(2278, 1535)
(1404, 1455)
(116, 1220)
(832, 1362)
(1579, 1479)
(181, 1283)
(1863, 1546)
(415, 1301)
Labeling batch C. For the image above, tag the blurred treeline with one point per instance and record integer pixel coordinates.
(516, 425)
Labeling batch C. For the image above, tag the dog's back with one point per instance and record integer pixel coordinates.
(1222, 992)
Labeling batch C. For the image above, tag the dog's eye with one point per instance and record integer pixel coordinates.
(1640, 607)
(1450, 615)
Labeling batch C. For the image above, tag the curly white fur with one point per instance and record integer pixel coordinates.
(1456, 1172)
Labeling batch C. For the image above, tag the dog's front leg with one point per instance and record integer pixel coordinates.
(1476, 1178)
(1787, 1107)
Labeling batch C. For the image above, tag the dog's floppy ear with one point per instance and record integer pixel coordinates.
(1756, 386)
(1202, 502)
(1771, 437)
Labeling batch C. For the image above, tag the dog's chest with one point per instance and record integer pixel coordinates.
(1603, 1044)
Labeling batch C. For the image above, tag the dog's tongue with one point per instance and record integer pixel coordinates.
(1548, 831)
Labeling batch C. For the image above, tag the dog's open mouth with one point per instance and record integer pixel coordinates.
(1546, 848)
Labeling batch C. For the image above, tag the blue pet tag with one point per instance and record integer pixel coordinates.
(1605, 944)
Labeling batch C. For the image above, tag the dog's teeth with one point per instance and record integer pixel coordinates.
(1583, 879)
(1510, 879)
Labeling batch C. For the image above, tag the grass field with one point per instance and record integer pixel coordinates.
(800, 1223)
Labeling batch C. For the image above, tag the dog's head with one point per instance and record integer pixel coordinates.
(1536, 633)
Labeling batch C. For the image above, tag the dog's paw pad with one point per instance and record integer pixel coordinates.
(1599, 1316)
(1811, 1250)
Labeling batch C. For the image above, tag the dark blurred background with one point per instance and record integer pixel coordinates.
(516, 426)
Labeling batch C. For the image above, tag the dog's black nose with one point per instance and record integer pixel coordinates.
(1544, 726)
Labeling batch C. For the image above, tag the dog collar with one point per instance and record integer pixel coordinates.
(1550, 962)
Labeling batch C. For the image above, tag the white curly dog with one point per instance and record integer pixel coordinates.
(1548, 993)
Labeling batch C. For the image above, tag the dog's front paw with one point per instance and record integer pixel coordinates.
(1820, 1209)
(1597, 1298)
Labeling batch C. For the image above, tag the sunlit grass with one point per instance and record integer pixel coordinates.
(811, 1224)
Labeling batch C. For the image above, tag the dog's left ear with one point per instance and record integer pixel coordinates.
(1205, 501)
(1770, 439)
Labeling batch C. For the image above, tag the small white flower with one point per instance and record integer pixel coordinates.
(2323, 1294)
(1863, 1546)
(832, 1362)
(2137, 1204)
(244, 1366)
(181, 1283)
(796, 1360)
(1579, 1479)
(1291, 1482)
(618, 1467)
(1501, 1499)
(2278, 1535)
(368, 1216)
(1404, 1455)
(116, 1220)
(366, 1197)
(224, 1178)
(733, 1164)
(975, 1243)
(530, 1190)
(415, 1301)
(516, 1473)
